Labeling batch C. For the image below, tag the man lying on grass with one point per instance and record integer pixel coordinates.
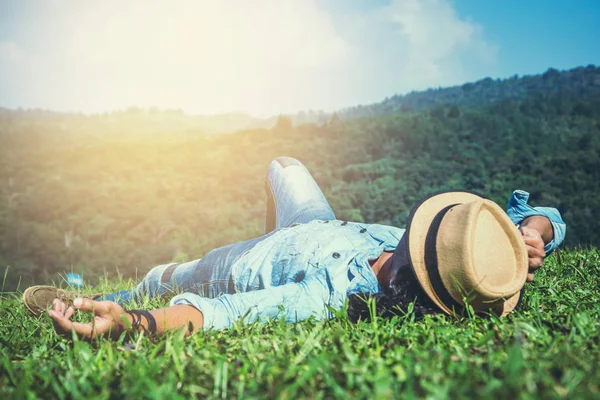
(458, 247)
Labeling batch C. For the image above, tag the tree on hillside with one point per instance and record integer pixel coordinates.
(284, 123)
(454, 112)
(335, 120)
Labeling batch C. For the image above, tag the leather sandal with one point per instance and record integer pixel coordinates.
(38, 299)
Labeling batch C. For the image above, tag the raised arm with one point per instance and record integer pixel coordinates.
(520, 213)
(110, 319)
(543, 228)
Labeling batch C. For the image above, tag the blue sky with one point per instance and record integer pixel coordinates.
(533, 35)
(270, 56)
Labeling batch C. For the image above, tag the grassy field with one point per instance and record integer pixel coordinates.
(550, 349)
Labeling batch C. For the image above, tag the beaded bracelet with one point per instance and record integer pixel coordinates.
(136, 321)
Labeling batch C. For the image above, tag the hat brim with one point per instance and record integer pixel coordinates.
(420, 219)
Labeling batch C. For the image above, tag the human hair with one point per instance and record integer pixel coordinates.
(394, 300)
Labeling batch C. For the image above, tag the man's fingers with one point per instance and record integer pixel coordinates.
(530, 277)
(64, 325)
(85, 331)
(58, 306)
(535, 263)
(526, 232)
(535, 252)
(88, 305)
(535, 243)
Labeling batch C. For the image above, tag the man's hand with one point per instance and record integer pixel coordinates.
(107, 318)
(535, 249)
(110, 319)
(537, 232)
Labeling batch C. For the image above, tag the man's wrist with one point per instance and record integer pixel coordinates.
(138, 321)
(542, 225)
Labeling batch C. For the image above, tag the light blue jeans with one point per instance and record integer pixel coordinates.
(293, 197)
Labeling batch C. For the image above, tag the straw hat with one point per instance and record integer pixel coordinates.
(462, 246)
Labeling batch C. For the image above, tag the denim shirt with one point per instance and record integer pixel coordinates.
(309, 270)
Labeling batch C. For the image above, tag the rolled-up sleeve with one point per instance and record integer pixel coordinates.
(293, 301)
(518, 210)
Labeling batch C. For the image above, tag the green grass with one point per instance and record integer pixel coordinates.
(550, 349)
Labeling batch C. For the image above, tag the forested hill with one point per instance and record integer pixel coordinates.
(583, 82)
(130, 200)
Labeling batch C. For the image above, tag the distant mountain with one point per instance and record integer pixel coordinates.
(583, 82)
(144, 120)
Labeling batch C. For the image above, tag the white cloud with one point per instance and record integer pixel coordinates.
(263, 56)
(416, 44)
(10, 53)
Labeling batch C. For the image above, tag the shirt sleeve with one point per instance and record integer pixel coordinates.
(518, 210)
(293, 301)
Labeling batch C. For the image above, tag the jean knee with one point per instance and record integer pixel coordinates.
(277, 166)
(285, 162)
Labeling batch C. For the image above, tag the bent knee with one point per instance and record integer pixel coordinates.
(278, 165)
(285, 162)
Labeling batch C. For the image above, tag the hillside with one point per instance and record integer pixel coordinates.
(128, 200)
(582, 82)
